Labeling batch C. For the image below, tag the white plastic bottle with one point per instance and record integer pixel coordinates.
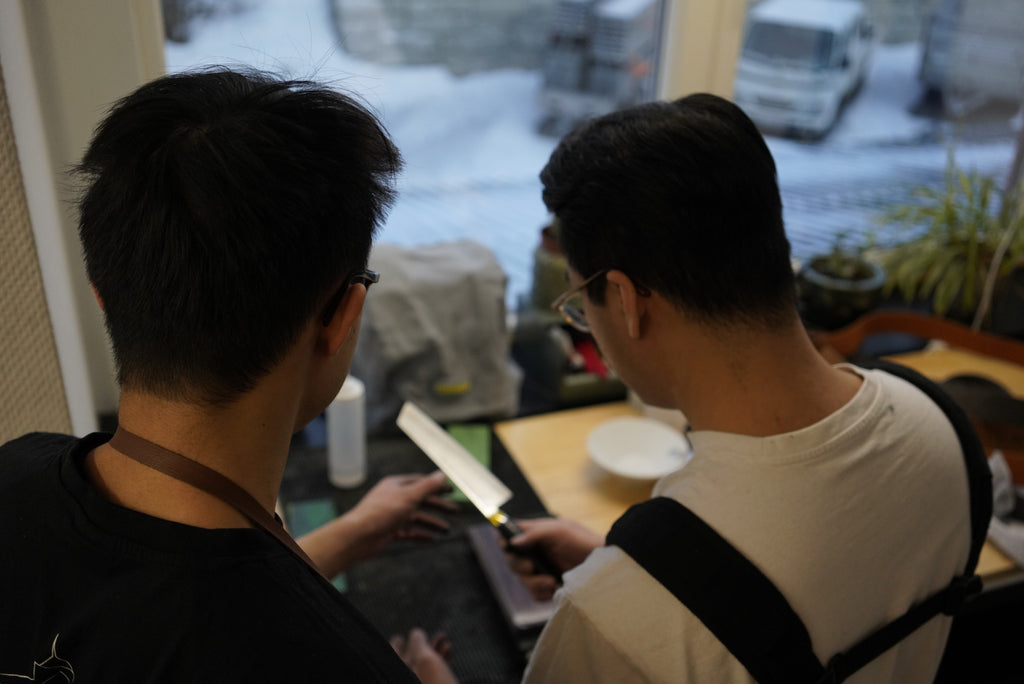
(346, 435)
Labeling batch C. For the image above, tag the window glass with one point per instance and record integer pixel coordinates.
(474, 92)
(863, 101)
(802, 46)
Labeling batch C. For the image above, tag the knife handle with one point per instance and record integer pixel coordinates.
(541, 563)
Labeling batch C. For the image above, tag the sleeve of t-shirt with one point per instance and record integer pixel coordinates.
(573, 649)
(616, 623)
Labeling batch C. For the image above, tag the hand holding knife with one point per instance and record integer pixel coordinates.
(483, 489)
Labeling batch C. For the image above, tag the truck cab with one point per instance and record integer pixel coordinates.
(801, 61)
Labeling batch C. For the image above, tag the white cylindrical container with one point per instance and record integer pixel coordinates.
(346, 435)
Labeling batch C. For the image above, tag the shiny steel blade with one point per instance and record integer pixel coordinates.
(479, 484)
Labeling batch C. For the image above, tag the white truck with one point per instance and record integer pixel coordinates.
(801, 62)
(974, 51)
(601, 56)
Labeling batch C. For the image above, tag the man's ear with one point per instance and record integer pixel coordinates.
(96, 294)
(342, 323)
(633, 306)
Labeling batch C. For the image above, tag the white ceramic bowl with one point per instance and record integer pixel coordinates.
(638, 448)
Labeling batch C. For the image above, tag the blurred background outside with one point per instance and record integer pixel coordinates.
(477, 93)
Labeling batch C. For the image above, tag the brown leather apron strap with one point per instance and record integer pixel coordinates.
(201, 477)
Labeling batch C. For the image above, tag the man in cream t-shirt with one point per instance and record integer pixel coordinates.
(845, 487)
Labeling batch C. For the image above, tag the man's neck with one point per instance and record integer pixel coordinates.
(760, 385)
(246, 441)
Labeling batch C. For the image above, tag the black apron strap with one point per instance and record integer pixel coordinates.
(947, 601)
(721, 587)
(979, 475)
(748, 614)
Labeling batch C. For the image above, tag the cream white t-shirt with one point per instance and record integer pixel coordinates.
(854, 519)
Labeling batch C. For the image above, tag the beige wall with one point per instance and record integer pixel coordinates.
(66, 61)
(701, 47)
(32, 396)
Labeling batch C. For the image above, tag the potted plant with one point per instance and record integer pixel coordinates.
(841, 285)
(966, 250)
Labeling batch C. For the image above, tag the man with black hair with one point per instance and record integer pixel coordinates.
(845, 487)
(226, 222)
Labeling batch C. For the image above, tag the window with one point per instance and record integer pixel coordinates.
(768, 41)
(474, 92)
(860, 100)
(857, 120)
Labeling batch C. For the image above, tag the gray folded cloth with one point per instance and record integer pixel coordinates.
(434, 332)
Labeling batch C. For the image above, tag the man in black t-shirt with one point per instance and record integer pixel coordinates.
(226, 221)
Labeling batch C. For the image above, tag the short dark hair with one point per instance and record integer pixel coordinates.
(220, 209)
(681, 196)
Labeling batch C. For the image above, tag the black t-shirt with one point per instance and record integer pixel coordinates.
(94, 592)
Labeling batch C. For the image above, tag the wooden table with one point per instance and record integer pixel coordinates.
(550, 449)
(941, 363)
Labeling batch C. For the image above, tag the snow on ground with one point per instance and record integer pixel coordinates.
(881, 112)
(450, 129)
(472, 153)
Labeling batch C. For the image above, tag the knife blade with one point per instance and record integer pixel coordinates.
(482, 487)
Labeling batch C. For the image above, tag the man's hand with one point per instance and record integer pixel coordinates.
(426, 658)
(565, 542)
(390, 510)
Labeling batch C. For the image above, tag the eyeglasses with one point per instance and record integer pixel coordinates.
(365, 277)
(570, 304)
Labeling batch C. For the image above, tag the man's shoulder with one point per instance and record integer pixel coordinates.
(31, 453)
(306, 611)
(304, 629)
(216, 643)
(919, 408)
(261, 619)
(904, 387)
(37, 443)
(608, 582)
(631, 627)
(303, 633)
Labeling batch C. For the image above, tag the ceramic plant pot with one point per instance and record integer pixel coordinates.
(831, 302)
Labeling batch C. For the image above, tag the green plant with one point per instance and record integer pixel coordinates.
(968, 235)
(840, 285)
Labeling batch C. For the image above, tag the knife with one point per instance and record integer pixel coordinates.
(482, 487)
